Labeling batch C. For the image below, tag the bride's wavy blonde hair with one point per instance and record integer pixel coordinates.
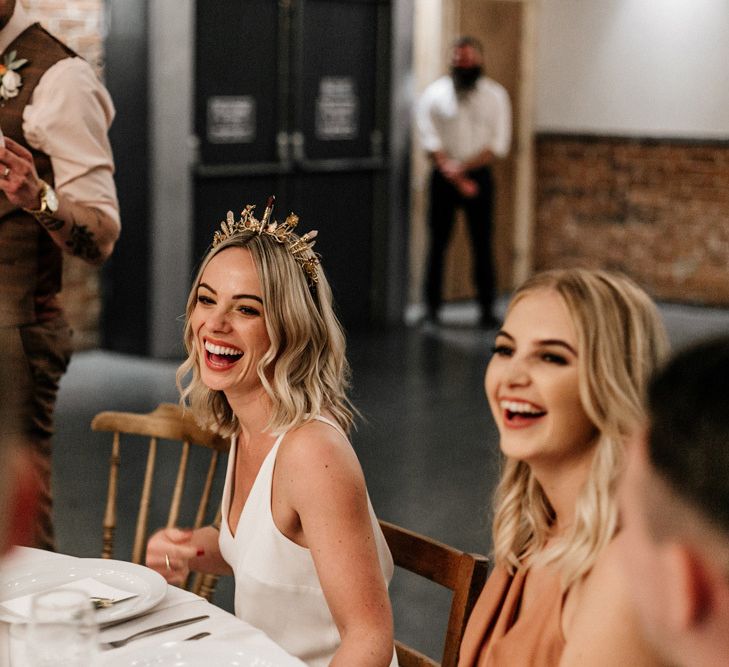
(620, 341)
(305, 370)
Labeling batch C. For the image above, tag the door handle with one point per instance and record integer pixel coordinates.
(282, 146)
(297, 145)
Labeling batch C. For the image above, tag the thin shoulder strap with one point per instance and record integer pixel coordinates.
(331, 423)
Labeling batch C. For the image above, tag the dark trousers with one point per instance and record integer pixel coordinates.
(46, 347)
(444, 199)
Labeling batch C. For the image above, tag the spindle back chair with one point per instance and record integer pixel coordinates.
(166, 423)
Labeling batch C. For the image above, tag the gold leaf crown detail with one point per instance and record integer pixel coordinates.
(300, 247)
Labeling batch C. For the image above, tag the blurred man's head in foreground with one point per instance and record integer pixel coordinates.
(675, 508)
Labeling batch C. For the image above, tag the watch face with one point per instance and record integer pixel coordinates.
(51, 199)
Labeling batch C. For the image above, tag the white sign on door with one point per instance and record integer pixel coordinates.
(337, 109)
(231, 119)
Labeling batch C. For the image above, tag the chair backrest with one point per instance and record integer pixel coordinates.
(463, 573)
(166, 423)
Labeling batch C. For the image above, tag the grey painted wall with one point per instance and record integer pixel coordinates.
(173, 151)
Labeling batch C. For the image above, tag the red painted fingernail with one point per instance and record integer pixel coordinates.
(200, 552)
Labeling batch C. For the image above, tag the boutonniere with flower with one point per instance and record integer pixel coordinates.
(10, 80)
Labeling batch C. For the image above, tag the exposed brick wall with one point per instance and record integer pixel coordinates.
(657, 210)
(78, 23)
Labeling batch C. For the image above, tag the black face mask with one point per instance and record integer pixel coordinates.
(464, 78)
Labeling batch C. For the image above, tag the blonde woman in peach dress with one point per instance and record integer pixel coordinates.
(565, 385)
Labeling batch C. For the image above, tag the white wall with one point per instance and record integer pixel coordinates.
(637, 67)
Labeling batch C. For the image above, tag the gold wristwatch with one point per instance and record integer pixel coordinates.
(48, 204)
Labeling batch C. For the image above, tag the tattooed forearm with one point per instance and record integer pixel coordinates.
(82, 243)
(70, 228)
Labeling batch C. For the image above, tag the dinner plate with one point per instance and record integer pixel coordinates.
(148, 586)
(194, 654)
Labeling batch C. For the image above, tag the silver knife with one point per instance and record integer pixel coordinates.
(117, 643)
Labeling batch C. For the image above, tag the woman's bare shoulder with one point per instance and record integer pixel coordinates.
(317, 447)
(604, 629)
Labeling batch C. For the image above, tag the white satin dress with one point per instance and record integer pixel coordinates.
(276, 585)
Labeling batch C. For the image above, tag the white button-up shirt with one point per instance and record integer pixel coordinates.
(464, 125)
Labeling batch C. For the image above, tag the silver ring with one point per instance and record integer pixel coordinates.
(167, 563)
(6, 173)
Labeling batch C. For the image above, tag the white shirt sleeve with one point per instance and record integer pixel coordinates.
(502, 124)
(68, 118)
(430, 140)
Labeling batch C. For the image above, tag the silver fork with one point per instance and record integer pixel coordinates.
(101, 603)
(105, 603)
(118, 643)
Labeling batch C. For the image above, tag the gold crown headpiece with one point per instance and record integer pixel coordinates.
(300, 247)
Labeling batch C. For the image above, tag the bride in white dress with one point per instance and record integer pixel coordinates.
(267, 367)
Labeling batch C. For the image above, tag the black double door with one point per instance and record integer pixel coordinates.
(292, 100)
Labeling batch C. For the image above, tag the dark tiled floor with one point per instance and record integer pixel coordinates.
(427, 445)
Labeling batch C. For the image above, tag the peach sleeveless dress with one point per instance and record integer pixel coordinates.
(499, 635)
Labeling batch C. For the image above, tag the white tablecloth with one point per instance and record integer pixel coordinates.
(177, 604)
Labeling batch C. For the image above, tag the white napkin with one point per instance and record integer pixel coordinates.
(21, 606)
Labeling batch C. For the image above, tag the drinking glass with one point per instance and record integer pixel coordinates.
(62, 631)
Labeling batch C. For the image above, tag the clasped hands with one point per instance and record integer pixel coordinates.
(454, 173)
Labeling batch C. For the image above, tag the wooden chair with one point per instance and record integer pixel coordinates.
(463, 573)
(167, 423)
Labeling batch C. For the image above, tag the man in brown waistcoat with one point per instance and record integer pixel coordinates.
(57, 195)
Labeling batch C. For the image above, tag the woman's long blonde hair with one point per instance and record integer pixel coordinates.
(620, 341)
(305, 370)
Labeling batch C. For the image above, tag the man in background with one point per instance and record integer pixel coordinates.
(57, 196)
(675, 509)
(464, 122)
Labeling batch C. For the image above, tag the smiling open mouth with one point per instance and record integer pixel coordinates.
(220, 356)
(518, 411)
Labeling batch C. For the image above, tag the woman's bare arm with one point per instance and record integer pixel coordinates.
(175, 552)
(322, 481)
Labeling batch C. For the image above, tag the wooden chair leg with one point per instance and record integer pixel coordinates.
(109, 525)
